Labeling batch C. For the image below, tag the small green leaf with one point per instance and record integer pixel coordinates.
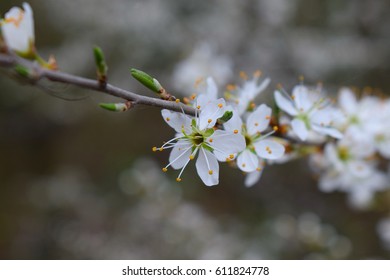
(226, 116)
(147, 80)
(115, 107)
(22, 71)
(101, 65)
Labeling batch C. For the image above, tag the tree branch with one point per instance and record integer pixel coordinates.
(38, 73)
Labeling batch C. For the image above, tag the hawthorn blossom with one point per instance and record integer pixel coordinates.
(310, 112)
(198, 136)
(259, 147)
(18, 30)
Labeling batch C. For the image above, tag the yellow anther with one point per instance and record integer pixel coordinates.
(275, 128)
(293, 97)
(177, 100)
(267, 117)
(257, 74)
(164, 169)
(198, 81)
(186, 100)
(210, 172)
(209, 120)
(258, 169)
(211, 140)
(154, 149)
(220, 105)
(168, 119)
(256, 124)
(192, 157)
(252, 105)
(161, 149)
(235, 131)
(178, 179)
(231, 87)
(243, 165)
(231, 156)
(193, 96)
(198, 107)
(243, 75)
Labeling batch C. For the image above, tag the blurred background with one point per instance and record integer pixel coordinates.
(78, 182)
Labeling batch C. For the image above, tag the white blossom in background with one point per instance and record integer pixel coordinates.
(203, 62)
(198, 136)
(259, 146)
(311, 112)
(17, 28)
(369, 117)
(346, 166)
(242, 96)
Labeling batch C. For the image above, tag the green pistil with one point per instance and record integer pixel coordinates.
(305, 119)
(344, 153)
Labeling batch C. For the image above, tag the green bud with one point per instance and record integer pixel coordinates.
(145, 79)
(227, 116)
(116, 107)
(22, 71)
(100, 64)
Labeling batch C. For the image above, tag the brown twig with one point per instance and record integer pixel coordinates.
(38, 73)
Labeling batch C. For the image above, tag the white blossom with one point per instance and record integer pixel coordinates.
(258, 145)
(18, 30)
(310, 112)
(197, 136)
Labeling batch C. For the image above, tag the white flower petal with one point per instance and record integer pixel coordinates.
(301, 98)
(211, 112)
(269, 149)
(299, 128)
(258, 120)
(226, 144)
(347, 101)
(235, 123)
(177, 121)
(207, 167)
(180, 154)
(326, 130)
(252, 178)
(285, 104)
(247, 161)
(18, 28)
(212, 90)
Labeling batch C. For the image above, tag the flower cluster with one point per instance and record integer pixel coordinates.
(347, 139)
(234, 131)
(357, 163)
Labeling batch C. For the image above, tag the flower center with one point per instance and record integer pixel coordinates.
(197, 138)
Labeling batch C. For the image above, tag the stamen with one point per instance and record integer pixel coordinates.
(243, 75)
(235, 131)
(164, 169)
(210, 172)
(154, 149)
(220, 105)
(209, 120)
(267, 117)
(258, 169)
(177, 100)
(257, 74)
(231, 87)
(178, 179)
(211, 140)
(168, 119)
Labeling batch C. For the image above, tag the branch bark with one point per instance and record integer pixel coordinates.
(38, 73)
